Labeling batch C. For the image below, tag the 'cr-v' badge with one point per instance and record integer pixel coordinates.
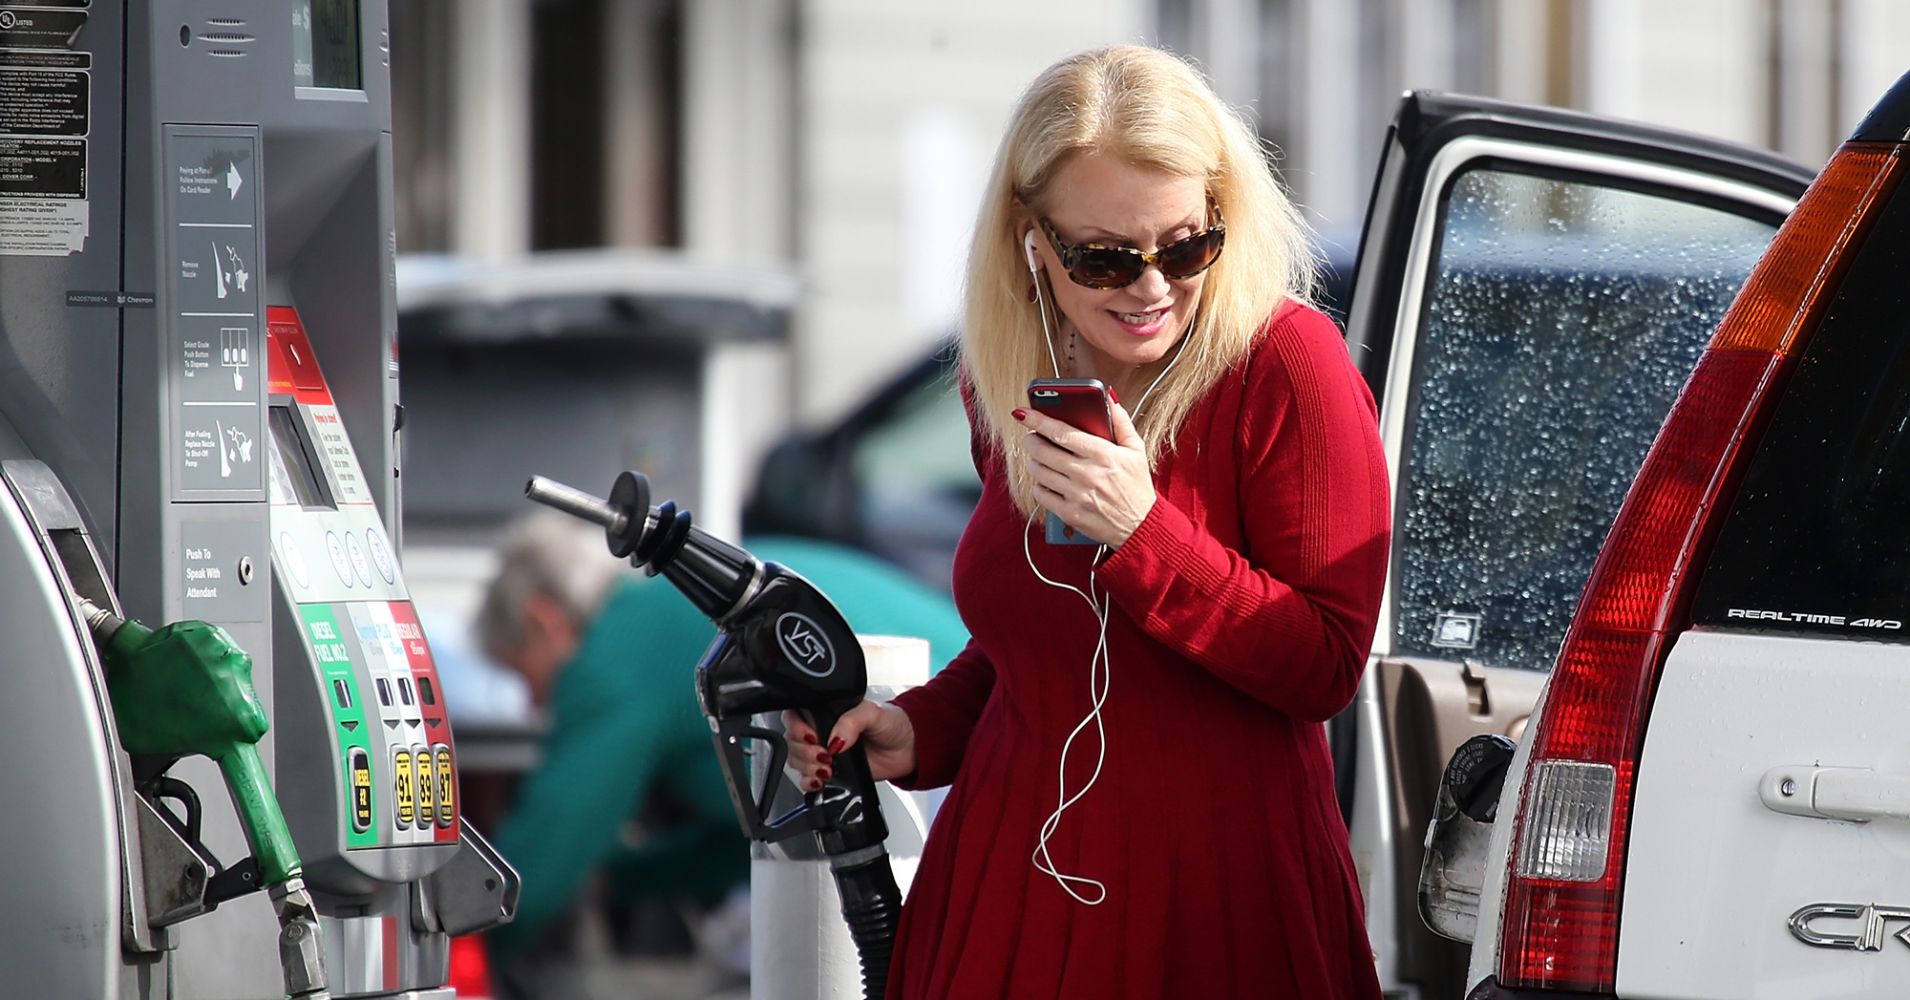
(1812, 923)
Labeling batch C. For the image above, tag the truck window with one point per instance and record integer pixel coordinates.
(1561, 316)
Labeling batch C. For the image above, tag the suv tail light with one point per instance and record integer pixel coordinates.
(1568, 862)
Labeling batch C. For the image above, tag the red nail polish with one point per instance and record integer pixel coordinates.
(826, 774)
(1020, 413)
(825, 759)
(814, 785)
(1113, 395)
(810, 739)
(835, 745)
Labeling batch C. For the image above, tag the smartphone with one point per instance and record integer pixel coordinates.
(1083, 404)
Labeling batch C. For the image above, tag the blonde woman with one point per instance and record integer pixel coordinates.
(1143, 797)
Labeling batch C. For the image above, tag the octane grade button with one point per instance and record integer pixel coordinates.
(381, 555)
(447, 786)
(294, 560)
(424, 787)
(401, 789)
(341, 563)
(360, 790)
(358, 561)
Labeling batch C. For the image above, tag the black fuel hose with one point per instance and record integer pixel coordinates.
(872, 904)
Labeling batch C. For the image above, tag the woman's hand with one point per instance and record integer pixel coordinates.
(883, 730)
(1102, 488)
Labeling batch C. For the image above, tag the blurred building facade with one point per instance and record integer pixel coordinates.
(847, 139)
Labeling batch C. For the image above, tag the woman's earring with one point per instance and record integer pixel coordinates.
(1031, 293)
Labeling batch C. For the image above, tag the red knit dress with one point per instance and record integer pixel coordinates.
(1243, 610)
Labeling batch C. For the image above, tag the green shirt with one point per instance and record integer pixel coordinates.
(624, 720)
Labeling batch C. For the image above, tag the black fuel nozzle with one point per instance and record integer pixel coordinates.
(788, 648)
(781, 646)
(712, 573)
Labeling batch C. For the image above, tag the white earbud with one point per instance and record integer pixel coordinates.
(1041, 301)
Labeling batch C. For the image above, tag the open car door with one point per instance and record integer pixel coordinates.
(1533, 288)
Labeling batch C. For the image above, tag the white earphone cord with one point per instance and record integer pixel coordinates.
(1041, 301)
(1100, 668)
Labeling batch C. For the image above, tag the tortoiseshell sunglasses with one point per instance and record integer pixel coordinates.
(1097, 265)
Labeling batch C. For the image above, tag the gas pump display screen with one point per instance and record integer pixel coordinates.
(292, 472)
(325, 44)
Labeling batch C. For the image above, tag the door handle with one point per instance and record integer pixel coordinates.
(1853, 794)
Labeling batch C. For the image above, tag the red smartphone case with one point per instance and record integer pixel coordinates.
(1080, 402)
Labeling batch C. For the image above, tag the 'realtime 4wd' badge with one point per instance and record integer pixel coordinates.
(1807, 618)
(1850, 926)
(805, 645)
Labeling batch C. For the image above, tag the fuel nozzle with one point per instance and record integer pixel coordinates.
(781, 646)
(792, 647)
(712, 573)
(186, 689)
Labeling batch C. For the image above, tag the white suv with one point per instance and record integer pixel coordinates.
(1713, 799)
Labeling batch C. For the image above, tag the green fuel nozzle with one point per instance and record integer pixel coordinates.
(186, 689)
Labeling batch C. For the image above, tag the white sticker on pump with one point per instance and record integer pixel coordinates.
(336, 453)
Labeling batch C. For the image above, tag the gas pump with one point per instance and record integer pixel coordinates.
(182, 497)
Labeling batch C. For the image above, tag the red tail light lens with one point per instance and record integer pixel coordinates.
(470, 972)
(1567, 866)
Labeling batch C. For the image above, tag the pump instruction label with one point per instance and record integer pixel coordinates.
(45, 117)
(212, 586)
(216, 317)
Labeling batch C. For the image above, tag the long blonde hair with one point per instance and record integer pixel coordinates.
(1149, 109)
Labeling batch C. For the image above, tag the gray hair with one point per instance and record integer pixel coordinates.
(544, 553)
